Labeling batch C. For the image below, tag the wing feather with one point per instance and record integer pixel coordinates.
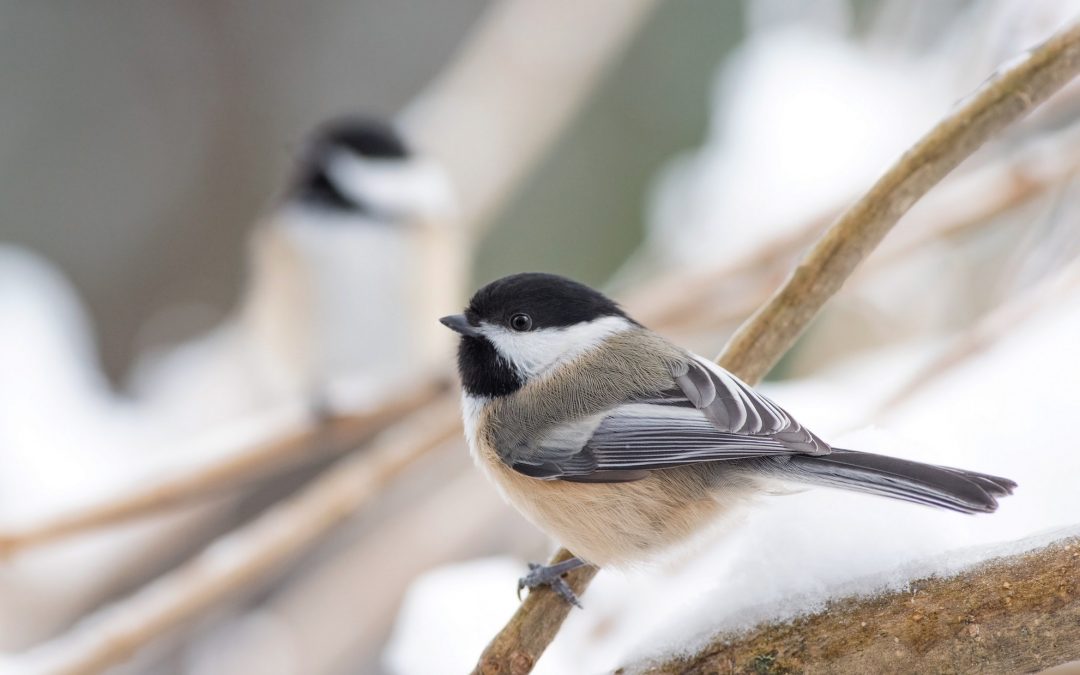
(708, 415)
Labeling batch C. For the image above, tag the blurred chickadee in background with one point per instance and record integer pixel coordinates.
(368, 235)
(344, 277)
(622, 445)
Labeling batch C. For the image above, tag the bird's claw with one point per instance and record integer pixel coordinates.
(545, 575)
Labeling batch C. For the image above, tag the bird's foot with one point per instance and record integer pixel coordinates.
(552, 577)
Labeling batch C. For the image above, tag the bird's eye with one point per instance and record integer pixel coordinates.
(521, 322)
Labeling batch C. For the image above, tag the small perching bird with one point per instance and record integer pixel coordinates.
(623, 446)
(344, 275)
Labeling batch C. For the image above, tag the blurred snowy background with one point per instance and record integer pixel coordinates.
(140, 144)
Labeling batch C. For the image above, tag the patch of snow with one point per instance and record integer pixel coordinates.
(449, 614)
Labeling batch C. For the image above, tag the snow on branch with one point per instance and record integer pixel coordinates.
(1015, 614)
(762, 340)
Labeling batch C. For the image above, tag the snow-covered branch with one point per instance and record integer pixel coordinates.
(1014, 614)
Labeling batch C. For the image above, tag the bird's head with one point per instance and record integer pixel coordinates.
(362, 167)
(520, 326)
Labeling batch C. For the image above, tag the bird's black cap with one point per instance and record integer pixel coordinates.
(550, 301)
(366, 137)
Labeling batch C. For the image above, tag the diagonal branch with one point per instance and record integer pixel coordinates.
(1004, 98)
(763, 339)
(246, 464)
(255, 549)
(684, 301)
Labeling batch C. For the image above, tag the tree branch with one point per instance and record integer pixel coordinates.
(234, 560)
(956, 207)
(763, 339)
(1005, 98)
(1011, 615)
(245, 464)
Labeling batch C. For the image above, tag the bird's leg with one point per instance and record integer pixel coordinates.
(552, 576)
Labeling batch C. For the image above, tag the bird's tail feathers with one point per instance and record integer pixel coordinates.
(939, 486)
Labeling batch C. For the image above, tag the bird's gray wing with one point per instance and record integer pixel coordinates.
(635, 438)
(707, 416)
(733, 406)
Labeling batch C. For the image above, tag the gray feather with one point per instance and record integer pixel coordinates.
(944, 487)
(736, 408)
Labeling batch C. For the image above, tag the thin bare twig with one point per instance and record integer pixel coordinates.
(246, 464)
(1005, 98)
(674, 297)
(763, 339)
(685, 299)
(245, 554)
(955, 208)
(357, 591)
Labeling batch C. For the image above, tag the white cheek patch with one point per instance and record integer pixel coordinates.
(534, 352)
(404, 187)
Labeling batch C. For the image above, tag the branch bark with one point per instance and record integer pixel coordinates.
(1011, 615)
(771, 331)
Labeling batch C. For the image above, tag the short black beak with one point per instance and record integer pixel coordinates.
(459, 324)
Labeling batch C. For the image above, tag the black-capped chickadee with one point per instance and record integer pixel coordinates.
(345, 275)
(622, 445)
(374, 226)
